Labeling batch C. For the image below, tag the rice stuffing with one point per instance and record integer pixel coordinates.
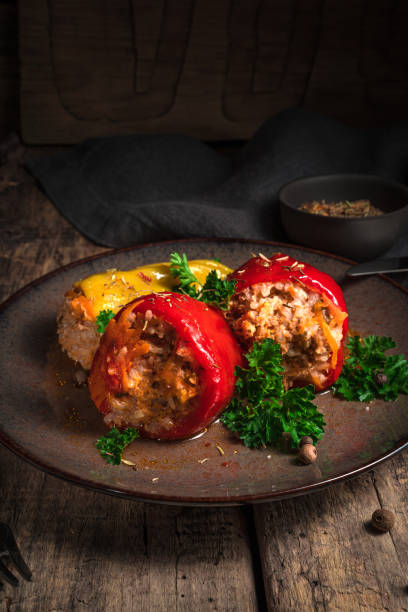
(160, 382)
(303, 322)
(77, 330)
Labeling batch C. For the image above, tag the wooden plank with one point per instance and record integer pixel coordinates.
(207, 68)
(359, 61)
(318, 552)
(89, 551)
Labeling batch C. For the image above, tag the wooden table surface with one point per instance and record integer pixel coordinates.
(89, 551)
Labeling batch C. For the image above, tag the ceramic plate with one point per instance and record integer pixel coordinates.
(52, 424)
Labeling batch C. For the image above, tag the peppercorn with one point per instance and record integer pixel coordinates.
(381, 379)
(383, 519)
(305, 440)
(307, 454)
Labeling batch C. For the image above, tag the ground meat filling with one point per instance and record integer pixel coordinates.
(77, 335)
(299, 319)
(162, 385)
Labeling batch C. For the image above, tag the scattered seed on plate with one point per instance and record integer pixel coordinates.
(60, 381)
(127, 462)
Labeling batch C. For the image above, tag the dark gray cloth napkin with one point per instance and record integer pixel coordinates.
(124, 190)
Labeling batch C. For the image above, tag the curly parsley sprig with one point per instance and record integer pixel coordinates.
(179, 268)
(214, 291)
(368, 373)
(261, 410)
(103, 319)
(113, 444)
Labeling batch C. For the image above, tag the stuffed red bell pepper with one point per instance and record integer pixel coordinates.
(296, 305)
(165, 366)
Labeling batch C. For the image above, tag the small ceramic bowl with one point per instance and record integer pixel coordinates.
(358, 238)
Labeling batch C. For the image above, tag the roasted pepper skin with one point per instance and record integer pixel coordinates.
(210, 340)
(281, 267)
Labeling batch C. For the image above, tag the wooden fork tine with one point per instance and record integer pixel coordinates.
(8, 545)
(6, 575)
(20, 564)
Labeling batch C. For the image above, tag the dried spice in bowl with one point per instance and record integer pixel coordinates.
(356, 208)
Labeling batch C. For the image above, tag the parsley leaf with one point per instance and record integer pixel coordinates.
(300, 416)
(256, 425)
(214, 291)
(368, 373)
(103, 319)
(112, 445)
(180, 269)
(261, 410)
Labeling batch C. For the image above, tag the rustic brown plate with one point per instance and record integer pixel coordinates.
(52, 424)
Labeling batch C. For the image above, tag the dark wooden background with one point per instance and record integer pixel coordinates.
(212, 68)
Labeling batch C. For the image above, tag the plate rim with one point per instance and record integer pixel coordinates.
(152, 497)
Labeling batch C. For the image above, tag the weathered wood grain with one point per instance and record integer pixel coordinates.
(89, 551)
(212, 69)
(320, 550)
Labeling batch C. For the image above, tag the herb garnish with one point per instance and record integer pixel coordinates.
(368, 373)
(261, 410)
(112, 445)
(179, 268)
(103, 319)
(214, 291)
